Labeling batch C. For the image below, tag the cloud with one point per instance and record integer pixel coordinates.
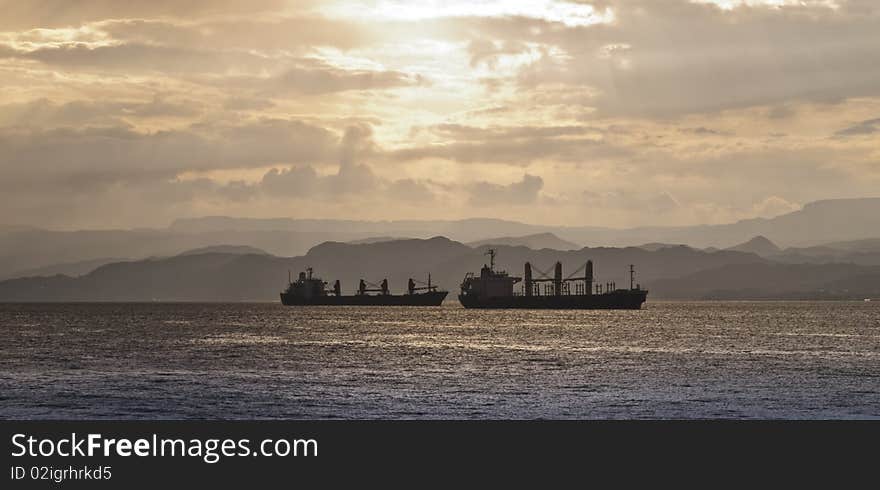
(490, 194)
(512, 145)
(47, 113)
(351, 181)
(320, 78)
(144, 58)
(46, 13)
(704, 131)
(410, 190)
(490, 53)
(773, 206)
(869, 126)
(297, 75)
(684, 57)
(294, 34)
(83, 158)
(351, 178)
(292, 181)
(627, 200)
(299, 182)
(238, 103)
(694, 112)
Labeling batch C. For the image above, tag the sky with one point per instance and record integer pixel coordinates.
(565, 112)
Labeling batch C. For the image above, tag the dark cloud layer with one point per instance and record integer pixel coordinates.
(693, 111)
(513, 145)
(60, 13)
(87, 157)
(491, 194)
(44, 113)
(666, 58)
(869, 126)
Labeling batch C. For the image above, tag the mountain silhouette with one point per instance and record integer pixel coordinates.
(775, 281)
(654, 246)
(254, 277)
(226, 249)
(816, 223)
(759, 245)
(535, 242)
(850, 227)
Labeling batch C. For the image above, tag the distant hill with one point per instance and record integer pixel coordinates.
(535, 242)
(15, 228)
(654, 246)
(375, 239)
(250, 277)
(848, 225)
(868, 245)
(72, 269)
(759, 245)
(774, 281)
(33, 249)
(463, 230)
(816, 223)
(226, 249)
(862, 252)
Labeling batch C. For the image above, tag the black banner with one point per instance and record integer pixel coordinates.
(227, 453)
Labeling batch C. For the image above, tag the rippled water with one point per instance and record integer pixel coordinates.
(680, 360)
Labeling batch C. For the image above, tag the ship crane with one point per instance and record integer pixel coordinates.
(381, 288)
(531, 288)
(494, 289)
(412, 288)
(491, 253)
(561, 286)
(311, 290)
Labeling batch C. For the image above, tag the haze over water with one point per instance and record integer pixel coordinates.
(679, 360)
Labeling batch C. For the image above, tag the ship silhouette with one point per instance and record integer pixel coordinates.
(495, 289)
(310, 290)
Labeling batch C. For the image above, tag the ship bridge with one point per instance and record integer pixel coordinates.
(491, 282)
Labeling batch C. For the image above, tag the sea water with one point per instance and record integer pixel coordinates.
(230, 361)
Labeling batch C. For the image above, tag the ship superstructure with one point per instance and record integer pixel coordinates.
(309, 289)
(495, 289)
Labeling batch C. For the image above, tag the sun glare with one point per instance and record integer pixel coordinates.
(731, 4)
(568, 13)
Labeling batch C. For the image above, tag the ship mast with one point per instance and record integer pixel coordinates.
(632, 275)
(491, 254)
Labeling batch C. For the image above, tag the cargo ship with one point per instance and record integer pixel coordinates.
(495, 289)
(309, 290)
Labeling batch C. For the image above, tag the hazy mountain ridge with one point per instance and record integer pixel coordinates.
(376, 239)
(72, 269)
(775, 281)
(672, 272)
(535, 242)
(844, 225)
(759, 245)
(226, 249)
(654, 246)
(816, 223)
(23, 251)
(237, 277)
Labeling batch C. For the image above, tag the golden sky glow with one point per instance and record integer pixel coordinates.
(611, 113)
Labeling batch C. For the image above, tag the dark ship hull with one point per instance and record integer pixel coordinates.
(430, 298)
(494, 289)
(615, 300)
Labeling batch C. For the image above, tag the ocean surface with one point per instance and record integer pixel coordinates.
(231, 361)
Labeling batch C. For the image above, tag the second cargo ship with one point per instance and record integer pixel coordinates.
(494, 289)
(310, 290)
